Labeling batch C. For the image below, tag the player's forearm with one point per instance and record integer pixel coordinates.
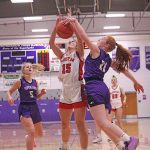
(8, 95)
(39, 95)
(79, 29)
(130, 76)
(52, 37)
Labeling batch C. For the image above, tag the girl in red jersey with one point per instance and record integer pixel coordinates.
(72, 93)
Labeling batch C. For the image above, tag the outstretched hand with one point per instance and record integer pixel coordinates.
(69, 19)
(11, 101)
(138, 87)
(59, 18)
(43, 91)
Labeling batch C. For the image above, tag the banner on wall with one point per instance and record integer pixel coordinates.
(54, 61)
(147, 57)
(43, 58)
(8, 80)
(113, 54)
(135, 63)
(43, 79)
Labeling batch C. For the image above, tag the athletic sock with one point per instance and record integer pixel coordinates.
(99, 135)
(120, 145)
(64, 145)
(125, 137)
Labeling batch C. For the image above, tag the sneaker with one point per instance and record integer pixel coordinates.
(109, 140)
(61, 148)
(97, 140)
(132, 144)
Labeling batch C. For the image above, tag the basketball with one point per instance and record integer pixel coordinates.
(64, 31)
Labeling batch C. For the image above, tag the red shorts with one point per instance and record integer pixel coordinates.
(80, 104)
(114, 110)
(73, 105)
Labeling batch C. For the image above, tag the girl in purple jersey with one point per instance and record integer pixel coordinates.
(28, 110)
(97, 64)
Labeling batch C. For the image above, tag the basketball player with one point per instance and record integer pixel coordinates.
(72, 93)
(28, 109)
(97, 64)
(117, 99)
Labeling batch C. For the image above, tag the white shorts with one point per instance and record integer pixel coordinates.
(116, 104)
(71, 94)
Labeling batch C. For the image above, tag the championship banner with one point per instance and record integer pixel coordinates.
(135, 63)
(113, 54)
(147, 57)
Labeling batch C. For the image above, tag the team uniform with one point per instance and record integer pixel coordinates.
(96, 90)
(28, 96)
(115, 97)
(71, 75)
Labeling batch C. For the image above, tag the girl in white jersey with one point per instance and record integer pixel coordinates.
(72, 97)
(117, 99)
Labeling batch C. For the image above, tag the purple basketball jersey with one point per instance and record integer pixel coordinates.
(96, 90)
(28, 91)
(96, 68)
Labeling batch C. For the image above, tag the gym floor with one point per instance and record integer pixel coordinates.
(12, 136)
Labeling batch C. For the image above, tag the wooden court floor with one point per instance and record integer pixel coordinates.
(12, 136)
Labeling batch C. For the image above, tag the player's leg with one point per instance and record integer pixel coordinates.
(98, 138)
(119, 117)
(112, 115)
(81, 126)
(38, 129)
(29, 127)
(65, 116)
(120, 138)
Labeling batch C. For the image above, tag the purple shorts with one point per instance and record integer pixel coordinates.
(30, 109)
(97, 94)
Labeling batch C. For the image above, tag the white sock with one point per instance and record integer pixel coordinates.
(64, 145)
(125, 137)
(99, 135)
(120, 145)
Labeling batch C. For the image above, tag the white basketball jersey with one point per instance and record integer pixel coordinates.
(115, 97)
(71, 75)
(71, 68)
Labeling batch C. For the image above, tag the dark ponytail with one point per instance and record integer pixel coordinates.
(123, 58)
